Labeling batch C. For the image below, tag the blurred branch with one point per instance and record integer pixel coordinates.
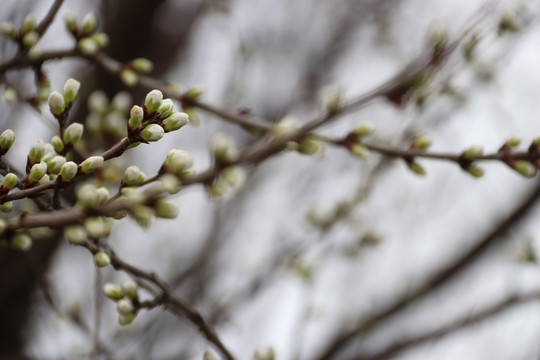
(49, 17)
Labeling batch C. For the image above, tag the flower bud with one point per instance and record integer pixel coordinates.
(91, 164)
(136, 117)
(130, 288)
(88, 46)
(152, 132)
(102, 195)
(422, 142)
(75, 234)
(177, 161)
(364, 129)
(129, 77)
(142, 65)
(37, 171)
(142, 214)
(359, 151)
(284, 127)
(68, 170)
(474, 151)
(102, 259)
(21, 242)
(165, 209)
(125, 306)
(73, 133)
(6, 206)
(112, 291)
(126, 319)
(417, 168)
(166, 108)
(44, 179)
(29, 23)
(9, 96)
(525, 168)
(87, 196)
(37, 151)
(101, 39)
(513, 141)
(7, 138)
(10, 181)
(56, 103)
(71, 90)
(8, 28)
(176, 121)
(89, 24)
(195, 92)
(153, 101)
(170, 183)
(70, 21)
(234, 175)
(309, 145)
(57, 144)
(223, 148)
(30, 39)
(54, 165)
(475, 171)
(35, 54)
(133, 176)
(95, 227)
(98, 102)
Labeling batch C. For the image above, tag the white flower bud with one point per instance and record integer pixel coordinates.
(91, 164)
(153, 101)
(75, 234)
(102, 259)
(121, 102)
(133, 176)
(89, 24)
(513, 141)
(71, 90)
(55, 164)
(21, 242)
(223, 148)
(35, 54)
(152, 132)
(7, 138)
(10, 181)
(130, 288)
(177, 161)
(136, 117)
(68, 170)
(170, 183)
(101, 39)
(165, 209)
(87, 196)
(525, 168)
(8, 28)
(166, 108)
(37, 171)
(102, 195)
(125, 306)
(95, 227)
(37, 151)
(125, 319)
(73, 133)
(88, 46)
(142, 214)
(474, 151)
(112, 291)
(176, 121)
(57, 144)
(56, 103)
(422, 142)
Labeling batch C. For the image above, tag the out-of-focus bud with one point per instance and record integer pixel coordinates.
(101, 39)
(177, 161)
(129, 77)
(68, 170)
(98, 102)
(364, 129)
(112, 291)
(73, 133)
(35, 54)
(121, 102)
(125, 319)
(102, 259)
(30, 39)
(95, 227)
(152, 132)
(475, 171)
(170, 183)
(75, 234)
(130, 289)
(142, 214)
(71, 90)
(29, 23)
(125, 306)
(102, 195)
(91, 164)
(21, 241)
(195, 92)
(153, 101)
(6, 206)
(10, 181)
(422, 142)
(359, 151)
(142, 65)
(88, 46)
(37, 171)
(513, 141)
(309, 145)
(176, 121)
(133, 176)
(70, 21)
(525, 168)
(87, 196)
(417, 168)
(9, 96)
(165, 209)
(56, 103)
(7, 138)
(89, 24)
(438, 34)
(136, 117)
(8, 28)
(330, 98)
(223, 148)
(474, 152)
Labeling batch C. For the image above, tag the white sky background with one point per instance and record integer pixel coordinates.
(422, 221)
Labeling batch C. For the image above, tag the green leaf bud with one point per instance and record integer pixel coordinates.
(130, 289)
(129, 77)
(70, 21)
(68, 171)
(102, 259)
(7, 138)
(513, 141)
(125, 306)
(176, 121)
(474, 152)
(422, 142)
(56, 103)
(136, 117)
(29, 23)
(10, 181)
(8, 28)
(37, 171)
(6, 206)
(75, 234)
(153, 101)
(475, 171)
(89, 24)
(364, 129)
(309, 145)
(417, 168)
(91, 164)
(30, 39)
(73, 133)
(152, 132)
(112, 291)
(133, 176)
(165, 209)
(525, 168)
(71, 90)
(142, 65)
(21, 242)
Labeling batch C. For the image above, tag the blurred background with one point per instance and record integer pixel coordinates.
(315, 257)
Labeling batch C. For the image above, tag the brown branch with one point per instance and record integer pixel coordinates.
(49, 17)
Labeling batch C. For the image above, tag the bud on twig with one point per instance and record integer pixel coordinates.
(525, 168)
(176, 121)
(165, 209)
(73, 133)
(177, 162)
(10, 181)
(133, 176)
(136, 117)
(102, 259)
(91, 164)
(7, 138)
(56, 103)
(112, 291)
(142, 65)
(21, 242)
(129, 77)
(68, 171)
(152, 132)
(130, 289)
(70, 21)
(71, 90)
(89, 24)
(37, 171)
(153, 101)
(125, 306)
(422, 142)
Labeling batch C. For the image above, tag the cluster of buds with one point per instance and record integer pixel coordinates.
(150, 122)
(60, 103)
(106, 118)
(177, 163)
(131, 71)
(89, 41)
(26, 35)
(143, 211)
(229, 179)
(126, 297)
(353, 141)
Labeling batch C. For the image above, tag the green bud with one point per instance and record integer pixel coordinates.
(54, 165)
(87, 196)
(37, 151)
(142, 214)
(7, 138)
(177, 162)
(35, 54)
(422, 142)
(165, 209)
(56, 103)
(112, 291)
(223, 148)
(95, 227)
(88, 46)
(142, 65)
(133, 176)
(125, 306)
(125, 319)
(73, 133)
(37, 171)
(170, 183)
(68, 171)
(309, 145)
(6, 206)
(153, 101)
(525, 168)
(417, 168)
(29, 23)
(10, 181)
(89, 24)
(130, 289)
(9, 96)
(359, 151)
(475, 171)
(218, 188)
(129, 77)
(91, 164)
(57, 144)
(176, 121)
(234, 175)
(102, 259)
(195, 92)
(364, 129)
(136, 117)
(101, 39)
(473, 152)
(102, 195)
(152, 132)
(21, 242)
(30, 39)
(71, 90)
(8, 28)
(75, 234)
(44, 179)
(166, 108)
(70, 21)
(513, 141)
